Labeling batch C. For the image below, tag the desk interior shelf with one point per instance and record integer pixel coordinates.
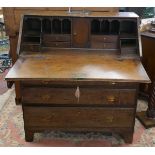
(104, 33)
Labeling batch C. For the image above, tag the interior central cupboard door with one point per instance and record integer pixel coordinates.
(80, 33)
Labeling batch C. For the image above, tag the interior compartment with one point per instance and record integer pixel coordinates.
(128, 27)
(56, 26)
(105, 27)
(46, 25)
(66, 26)
(95, 26)
(115, 26)
(32, 26)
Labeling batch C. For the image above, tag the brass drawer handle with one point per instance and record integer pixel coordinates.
(46, 97)
(45, 82)
(77, 94)
(111, 99)
(109, 119)
(113, 83)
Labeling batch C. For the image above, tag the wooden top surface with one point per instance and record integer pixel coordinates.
(89, 14)
(76, 65)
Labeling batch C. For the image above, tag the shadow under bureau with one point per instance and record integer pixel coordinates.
(79, 73)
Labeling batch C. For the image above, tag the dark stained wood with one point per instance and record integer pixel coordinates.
(29, 135)
(12, 18)
(104, 38)
(102, 45)
(80, 77)
(77, 65)
(128, 138)
(80, 34)
(88, 96)
(56, 38)
(78, 117)
(82, 82)
(148, 41)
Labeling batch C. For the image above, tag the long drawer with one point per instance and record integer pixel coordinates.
(103, 84)
(81, 117)
(78, 95)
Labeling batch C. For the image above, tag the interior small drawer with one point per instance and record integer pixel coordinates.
(104, 38)
(78, 117)
(57, 44)
(27, 47)
(102, 45)
(56, 38)
(78, 95)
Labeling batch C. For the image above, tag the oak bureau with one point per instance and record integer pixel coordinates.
(79, 72)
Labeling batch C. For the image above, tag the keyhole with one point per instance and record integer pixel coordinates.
(77, 94)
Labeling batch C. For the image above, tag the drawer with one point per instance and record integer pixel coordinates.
(103, 84)
(130, 50)
(56, 38)
(104, 38)
(33, 48)
(81, 117)
(77, 96)
(57, 44)
(102, 45)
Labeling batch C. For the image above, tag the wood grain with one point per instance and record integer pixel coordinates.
(78, 117)
(76, 65)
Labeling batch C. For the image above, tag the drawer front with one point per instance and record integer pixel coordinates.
(125, 51)
(103, 84)
(57, 44)
(104, 38)
(56, 38)
(72, 117)
(78, 95)
(30, 47)
(102, 45)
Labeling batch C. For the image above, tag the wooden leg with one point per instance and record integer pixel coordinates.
(29, 135)
(128, 137)
(18, 101)
(18, 93)
(147, 118)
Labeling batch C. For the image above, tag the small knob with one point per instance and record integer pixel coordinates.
(104, 38)
(74, 33)
(46, 97)
(109, 119)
